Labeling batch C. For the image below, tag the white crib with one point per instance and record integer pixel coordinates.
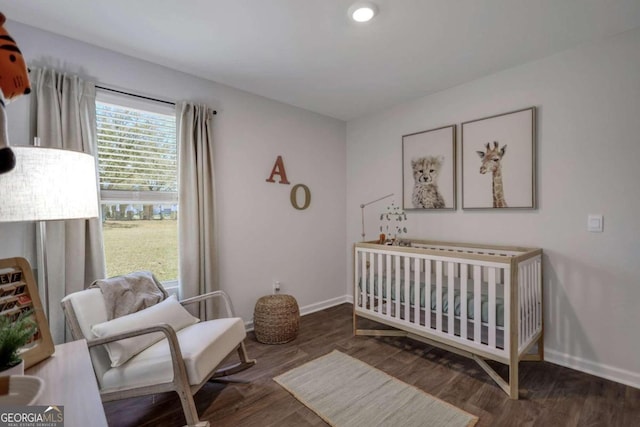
(495, 293)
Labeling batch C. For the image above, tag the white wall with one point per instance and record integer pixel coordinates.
(262, 237)
(588, 102)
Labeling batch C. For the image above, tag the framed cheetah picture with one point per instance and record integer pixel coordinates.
(499, 161)
(429, 169)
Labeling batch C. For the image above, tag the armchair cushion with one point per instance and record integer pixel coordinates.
(169, 311)
(203, 346)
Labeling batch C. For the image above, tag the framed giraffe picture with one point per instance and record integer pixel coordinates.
(429, 169)
(499, 161)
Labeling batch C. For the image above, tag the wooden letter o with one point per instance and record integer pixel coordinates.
(294, 197)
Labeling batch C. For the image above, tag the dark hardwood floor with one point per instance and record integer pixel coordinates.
(550, 395)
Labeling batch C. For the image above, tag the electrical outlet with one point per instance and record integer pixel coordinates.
(595, 223)
(276, 286)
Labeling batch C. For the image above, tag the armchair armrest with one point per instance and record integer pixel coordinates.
(161, 327)
(174, 346)
(209, 295)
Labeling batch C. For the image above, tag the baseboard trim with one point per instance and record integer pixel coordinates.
(312, 308)
(598, 369)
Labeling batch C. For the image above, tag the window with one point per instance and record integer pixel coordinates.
(137, 163)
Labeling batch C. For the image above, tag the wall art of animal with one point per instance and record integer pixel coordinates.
(425, 190)
(492, 162)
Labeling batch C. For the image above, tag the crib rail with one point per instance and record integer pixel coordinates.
(460, 295)
(530, 302)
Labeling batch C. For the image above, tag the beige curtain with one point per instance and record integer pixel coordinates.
(197, 219)
(65, 118)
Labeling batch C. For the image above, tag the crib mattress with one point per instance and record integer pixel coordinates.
(484, 315)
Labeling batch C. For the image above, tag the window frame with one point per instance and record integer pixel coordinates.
(139, 196)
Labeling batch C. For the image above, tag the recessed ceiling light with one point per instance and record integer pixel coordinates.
(362, 12)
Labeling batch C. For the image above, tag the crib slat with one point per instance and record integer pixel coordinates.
(532, 297)
(523, 304)
(477, 303)
(521, 311)
(531, 300)
(463, 301)
(492, 307)
(451, 313)
(523, 307)
(538, 282)
(397, 290)
(388, 300)
(507, 309)
(439, 295)
(540, 292)
(377, 295)
(532, 286)
(427, 293)
(534, 300)
(363, 278)
(372, 280)
(357, 279)
(407, 279)
(416, 291)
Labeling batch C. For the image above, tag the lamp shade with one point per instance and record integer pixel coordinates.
(49, 184)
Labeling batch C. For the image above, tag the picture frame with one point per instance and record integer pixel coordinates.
(498, 156)
(429, 170)
(19, 295)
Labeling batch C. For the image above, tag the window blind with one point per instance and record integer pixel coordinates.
(137, 153)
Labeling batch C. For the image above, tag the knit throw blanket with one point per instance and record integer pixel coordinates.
(130, 293)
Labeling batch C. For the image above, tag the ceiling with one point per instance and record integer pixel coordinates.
(309, 54)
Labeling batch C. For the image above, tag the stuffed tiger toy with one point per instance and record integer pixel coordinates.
(14, 82)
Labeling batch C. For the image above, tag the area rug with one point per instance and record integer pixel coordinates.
(346, 392)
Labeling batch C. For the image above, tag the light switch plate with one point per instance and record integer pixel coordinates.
(595, 223)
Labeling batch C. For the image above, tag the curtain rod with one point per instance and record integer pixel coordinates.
(140, 96)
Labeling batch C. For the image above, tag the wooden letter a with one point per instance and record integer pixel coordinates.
(278, 169)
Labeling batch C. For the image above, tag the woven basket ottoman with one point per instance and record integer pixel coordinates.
(276, 319)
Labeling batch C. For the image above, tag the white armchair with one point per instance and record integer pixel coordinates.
(181, 361)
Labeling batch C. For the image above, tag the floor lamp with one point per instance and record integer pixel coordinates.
(362, 206)
(48, 184)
